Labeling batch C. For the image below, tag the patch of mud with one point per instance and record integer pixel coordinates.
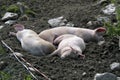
(98, 58)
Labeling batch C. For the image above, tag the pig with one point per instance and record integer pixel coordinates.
(88, 35)
(31, 42)
(69, 44)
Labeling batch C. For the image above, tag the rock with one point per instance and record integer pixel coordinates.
(69, 24)
(84, 74)
(103, 19)
(105, 76)
(118, 78)
(56, 22)
(9, 16)
(102, 1)
(10, 22)
(109, 9)
(60, 21)
(1, 26)
(101, 42)
(115, 66)
(94, 24)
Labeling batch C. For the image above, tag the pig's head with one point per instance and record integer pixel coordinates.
(18, 27)
(98, 35)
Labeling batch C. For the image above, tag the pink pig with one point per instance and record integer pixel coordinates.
(30, 41)
(69, 44)
(87, 35)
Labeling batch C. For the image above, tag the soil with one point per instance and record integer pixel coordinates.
(79, 12)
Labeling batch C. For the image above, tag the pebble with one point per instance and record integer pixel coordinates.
(10, 22)
(1, 26)
(103, 19)
(9, 16)
(56, 22)
(84, 74)
(109, 9)
(101, 42)
(118, 78)
(69, 24)
(105, 76)
(115, 66)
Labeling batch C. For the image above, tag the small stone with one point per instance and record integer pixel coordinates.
(109, 9)
(105, 76)
(101, 42)
(69, 24)
(9, 16)
(10, 22)
(103, 19)
(89, 23)
(56, 22)
(84, 73)
(115, 66)
(1, 26)
(118, 78)
(94, 23)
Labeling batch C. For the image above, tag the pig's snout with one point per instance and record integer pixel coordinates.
(80, 55)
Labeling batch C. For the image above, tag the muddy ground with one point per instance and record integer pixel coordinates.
(79, 12)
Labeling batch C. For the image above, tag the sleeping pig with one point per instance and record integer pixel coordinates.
(30, 41)
(69, 44)
(87, 35)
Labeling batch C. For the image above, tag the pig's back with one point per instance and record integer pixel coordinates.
(73, 41)
(51, 34)
(31, 42)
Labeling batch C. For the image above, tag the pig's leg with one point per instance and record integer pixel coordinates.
(65, 52)
(57, 40)
(56, 52)
(12, 33)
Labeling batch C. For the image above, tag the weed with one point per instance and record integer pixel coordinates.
(2, 49)
(114, 29)
(4, 76)
(13, 8)
(28, 77)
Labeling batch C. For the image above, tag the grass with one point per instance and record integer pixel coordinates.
(13, 8)
(28, 77)
(114, 29)
(4, 76)
(2, 49)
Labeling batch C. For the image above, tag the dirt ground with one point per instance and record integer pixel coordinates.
(79, 12)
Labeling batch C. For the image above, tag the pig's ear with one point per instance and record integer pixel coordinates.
(100, 31)
(18, 27)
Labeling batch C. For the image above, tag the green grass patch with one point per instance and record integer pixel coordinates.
(4, 76)
(13, 8)
(114, 29)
